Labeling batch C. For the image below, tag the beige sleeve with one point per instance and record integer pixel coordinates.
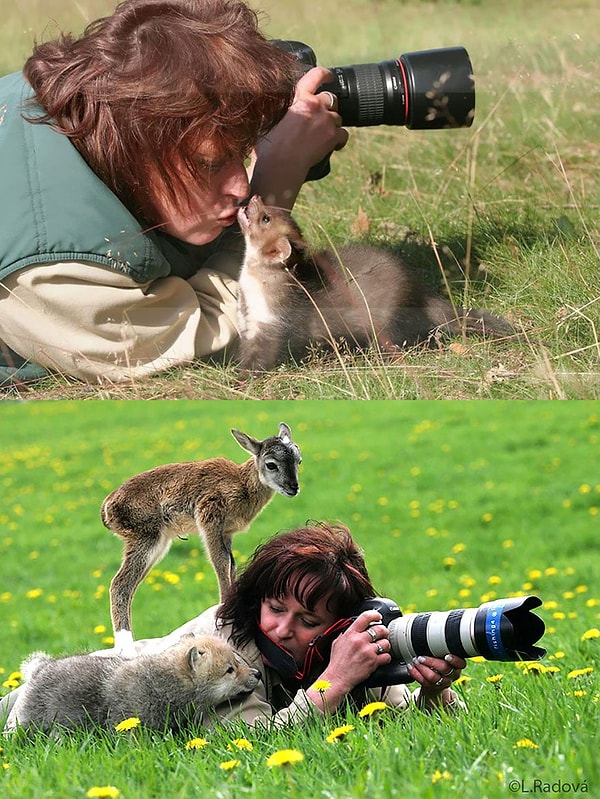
(92, 323)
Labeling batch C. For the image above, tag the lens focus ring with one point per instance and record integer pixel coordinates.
(371, 94)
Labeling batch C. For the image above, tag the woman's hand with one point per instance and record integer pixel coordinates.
(310, 130)
(355, 654)
(436, 676)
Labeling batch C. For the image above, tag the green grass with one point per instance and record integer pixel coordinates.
(450, 501)
(507, 210)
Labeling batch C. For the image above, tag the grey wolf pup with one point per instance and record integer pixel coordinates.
(166, 690)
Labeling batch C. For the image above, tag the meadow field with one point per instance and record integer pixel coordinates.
(503, 215)
(454, 503)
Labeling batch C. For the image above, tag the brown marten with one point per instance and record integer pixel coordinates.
(290, 298)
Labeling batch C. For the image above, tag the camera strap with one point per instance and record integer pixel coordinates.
(317, 655)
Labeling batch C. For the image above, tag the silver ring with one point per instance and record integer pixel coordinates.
(332, 101)
(380, 649)
(439, 682)
(372, 633)
(450, 673)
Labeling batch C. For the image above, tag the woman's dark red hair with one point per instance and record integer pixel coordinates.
(309, 563)
(141, 89)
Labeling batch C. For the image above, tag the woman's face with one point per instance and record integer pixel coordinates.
(293, 626)
(214, 203)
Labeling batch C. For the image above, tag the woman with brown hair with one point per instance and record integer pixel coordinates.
(124, 156)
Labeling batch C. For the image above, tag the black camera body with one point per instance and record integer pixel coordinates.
(424, 90)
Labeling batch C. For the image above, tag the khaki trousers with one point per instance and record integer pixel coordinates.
(87, 321)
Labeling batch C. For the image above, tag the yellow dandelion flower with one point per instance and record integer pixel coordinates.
(526, 743)
(589, 634)
(128, 724)
(99, 629)
(34, 593)
(227, 765)
(101, 791)
(284, 757)
(458, 548)
(240, 743)
(371, 708)
(196, 743)
(494, 579)
(440, 775)
(494, 678)
(487, 517)
(339, 732)
(449, 562)
(488, 596)
(462, 679)
(579, 693)
(534, 574)
(534, 668)
(579, 672)
(508, 544)
(13, 680)
(321, 686)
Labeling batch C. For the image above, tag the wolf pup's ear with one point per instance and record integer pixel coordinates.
(193, 657)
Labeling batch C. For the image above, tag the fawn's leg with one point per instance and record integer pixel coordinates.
(218, 550)
(139, 556)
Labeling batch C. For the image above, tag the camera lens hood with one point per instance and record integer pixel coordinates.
(440, 88)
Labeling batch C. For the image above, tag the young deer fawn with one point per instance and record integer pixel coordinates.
(215, 498)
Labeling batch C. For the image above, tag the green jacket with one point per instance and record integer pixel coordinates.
(54, 208)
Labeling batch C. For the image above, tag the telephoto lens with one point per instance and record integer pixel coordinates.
(426, 90)
(503, 629)
(423, 90)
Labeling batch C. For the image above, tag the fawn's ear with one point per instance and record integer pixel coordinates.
(285, 434)
(279, 251)
(246, 442)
